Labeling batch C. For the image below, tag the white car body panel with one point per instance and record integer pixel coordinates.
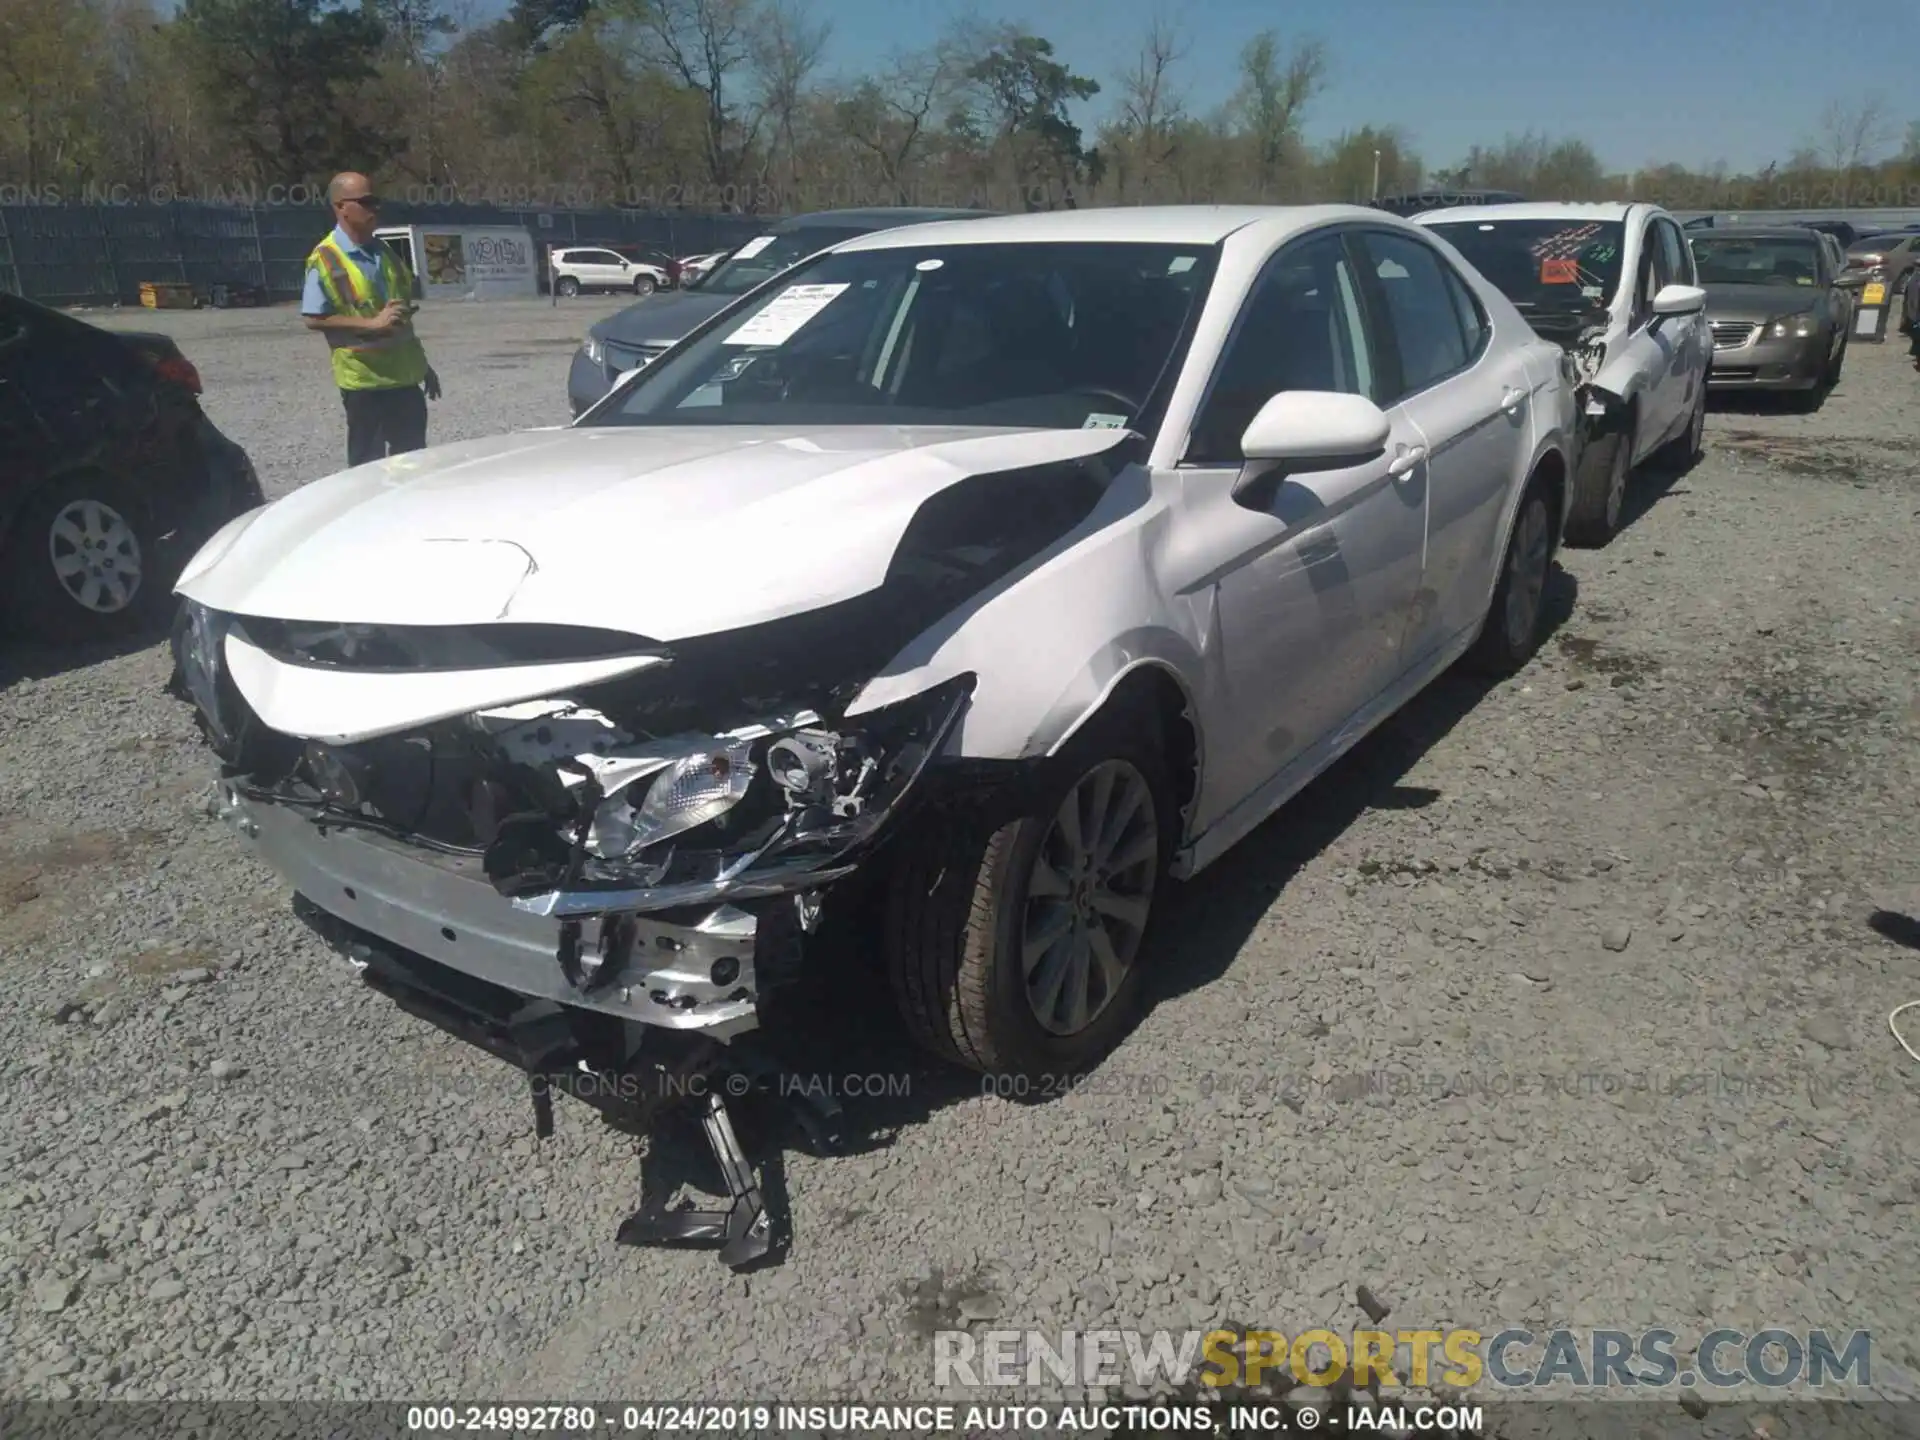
(728, 526)
(1659, 369)
(344, 707)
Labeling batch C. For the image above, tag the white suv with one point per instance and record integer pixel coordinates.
(1615, 286)
(592, 268)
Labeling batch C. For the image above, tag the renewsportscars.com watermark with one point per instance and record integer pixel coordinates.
(1460, 1359)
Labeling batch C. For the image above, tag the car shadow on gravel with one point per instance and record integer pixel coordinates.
(24, 660)
(1207, 922)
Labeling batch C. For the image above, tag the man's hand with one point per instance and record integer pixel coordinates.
(388, 320)
(433, 384)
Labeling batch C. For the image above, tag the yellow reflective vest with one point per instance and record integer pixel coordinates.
(366, 362)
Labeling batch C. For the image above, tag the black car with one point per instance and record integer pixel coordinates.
(113, 475)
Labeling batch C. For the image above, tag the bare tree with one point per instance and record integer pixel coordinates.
(1853, 134)
(1274, 91)
(785, 46)
(1151, 106)
(890, 119)
(709, 45)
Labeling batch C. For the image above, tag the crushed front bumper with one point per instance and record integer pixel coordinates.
(699, 972)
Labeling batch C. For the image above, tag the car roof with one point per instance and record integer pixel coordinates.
(1533, 210)
(877, 217)
(1760, 232)
(1114, 224)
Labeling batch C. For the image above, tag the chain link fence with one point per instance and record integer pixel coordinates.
(102, 254)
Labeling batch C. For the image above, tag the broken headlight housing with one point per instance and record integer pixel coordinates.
(759, 809)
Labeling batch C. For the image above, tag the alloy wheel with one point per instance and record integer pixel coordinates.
(1526, 571)
(95, 555)
(1088, 897)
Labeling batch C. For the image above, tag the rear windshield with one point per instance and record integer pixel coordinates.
(1544, 264)
(1786, 262)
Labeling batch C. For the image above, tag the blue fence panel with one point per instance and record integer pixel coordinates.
(61, 254)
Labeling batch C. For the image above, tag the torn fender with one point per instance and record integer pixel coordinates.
(667, 532)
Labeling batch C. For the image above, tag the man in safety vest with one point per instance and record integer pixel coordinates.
(360, 297)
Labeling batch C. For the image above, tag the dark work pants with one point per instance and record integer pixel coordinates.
(384, 422)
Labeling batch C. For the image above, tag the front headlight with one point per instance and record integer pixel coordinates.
(691, 792)
(1794, 327)
(592, 349)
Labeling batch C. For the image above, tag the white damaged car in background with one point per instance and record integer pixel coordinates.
(1615, 286)
(981, 575)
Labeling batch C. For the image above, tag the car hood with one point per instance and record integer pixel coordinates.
(1759, 302)
(662, 532)
(661, 319)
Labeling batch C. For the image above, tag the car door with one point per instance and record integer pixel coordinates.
(1311, 587)
(1693, 333)
(1470, 403)
(1653, 357)
(611, 270)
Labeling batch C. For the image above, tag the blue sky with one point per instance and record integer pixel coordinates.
(1642, 81)
(1744, 81)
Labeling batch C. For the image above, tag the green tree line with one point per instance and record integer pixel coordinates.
(731, 104)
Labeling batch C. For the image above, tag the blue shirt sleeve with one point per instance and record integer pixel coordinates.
(313, 299)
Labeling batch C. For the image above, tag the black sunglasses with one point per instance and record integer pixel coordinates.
(372, 202)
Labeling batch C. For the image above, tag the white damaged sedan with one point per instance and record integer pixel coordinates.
(1015, 565)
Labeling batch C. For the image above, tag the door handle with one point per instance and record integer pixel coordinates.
(1511, 399)
(1403, 464)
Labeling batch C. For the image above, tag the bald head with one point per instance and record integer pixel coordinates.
(355, 206)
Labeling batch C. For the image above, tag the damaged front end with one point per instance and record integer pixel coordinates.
(1581, 335)
(664, 837)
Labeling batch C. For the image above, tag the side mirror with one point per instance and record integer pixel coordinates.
(1851, 280)
(1679, 300)
(1307, 430)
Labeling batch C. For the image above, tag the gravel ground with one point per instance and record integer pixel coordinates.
(1556, 1003)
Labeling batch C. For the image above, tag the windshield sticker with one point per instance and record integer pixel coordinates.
(1593, 292)
(1803, 279)
(1097, 421)
(1559, 272)
(753, 247)
(785, 314)
(1180, 264)
(1563, 243)
(933, 264)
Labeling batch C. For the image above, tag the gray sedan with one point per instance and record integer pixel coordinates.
(1779, 310)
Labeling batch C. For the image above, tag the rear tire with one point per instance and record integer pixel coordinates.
(568, 286)
(993, 925)
(1512, 631)
(1600, 489)
(83, 563)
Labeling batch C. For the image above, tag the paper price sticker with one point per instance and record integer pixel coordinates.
(1559, 272)
(785, 314)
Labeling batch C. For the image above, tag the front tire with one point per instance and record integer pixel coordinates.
(1515, 620)
(83, 563)
(1015, 946)
(1600, 490)
(643, 285)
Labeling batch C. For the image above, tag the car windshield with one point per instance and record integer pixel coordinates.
(765, 256)
(1049, 336)
(1733, 260)
(1544, 264)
